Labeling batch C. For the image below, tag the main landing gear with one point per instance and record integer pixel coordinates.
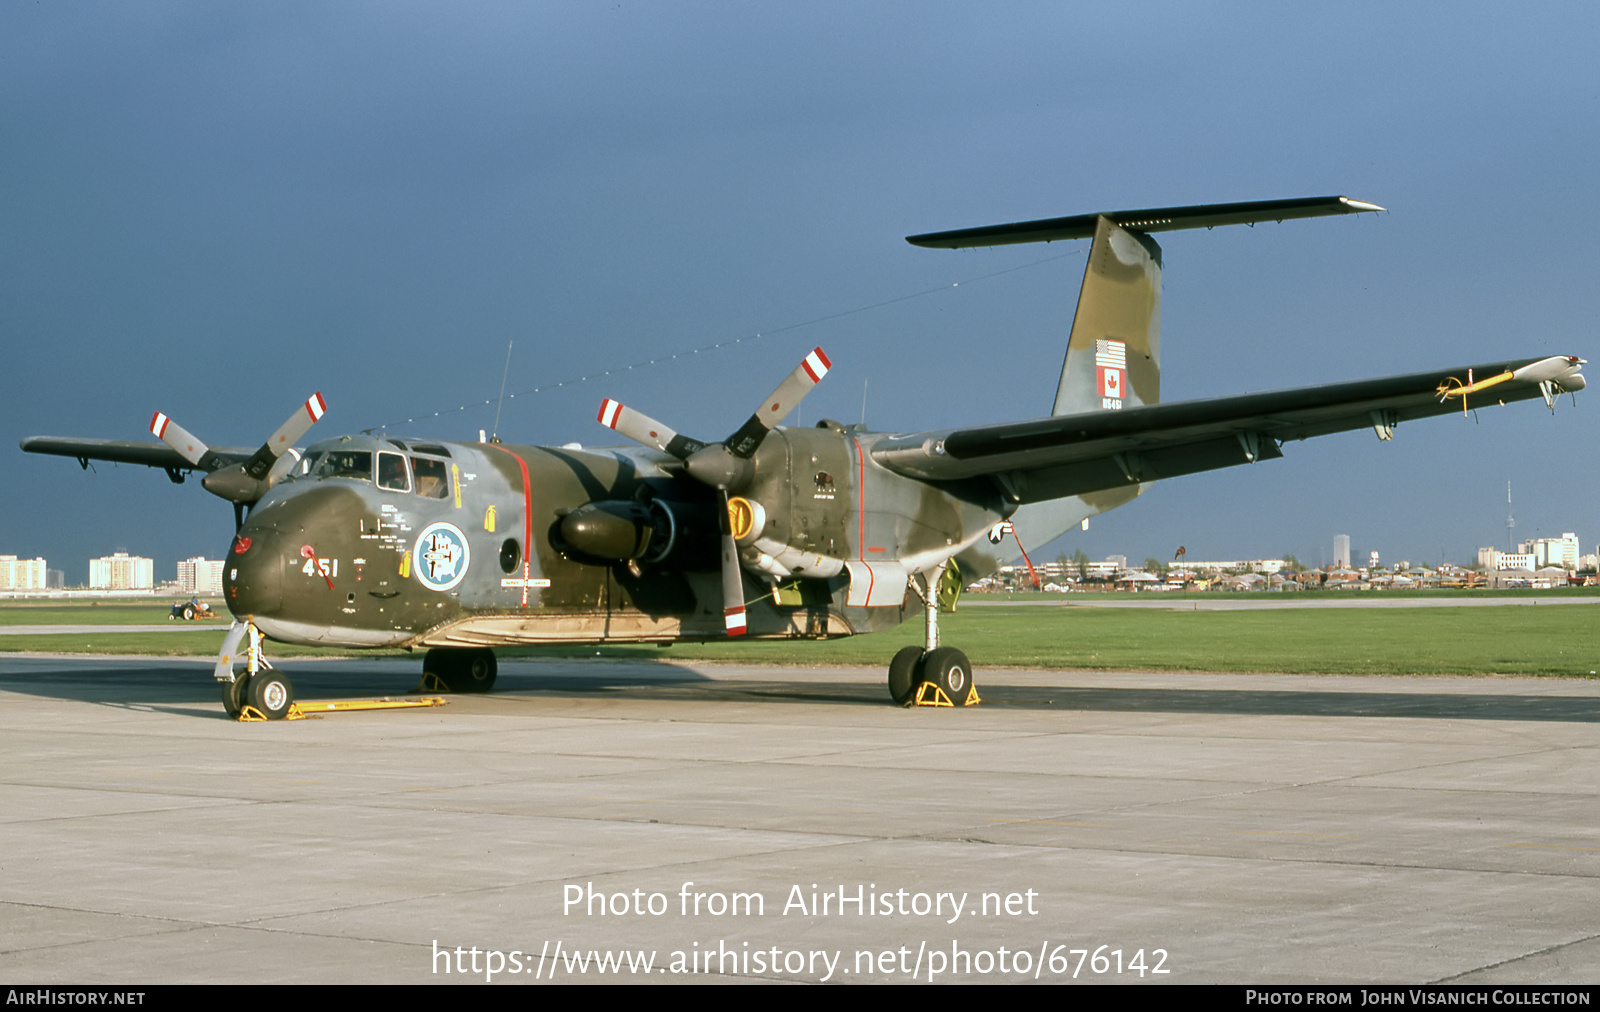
(932, 675)
(258, 692)
(452, 669)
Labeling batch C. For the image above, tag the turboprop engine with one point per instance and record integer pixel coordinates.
(729, 467)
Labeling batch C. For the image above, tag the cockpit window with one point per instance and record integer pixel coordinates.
(392, 473)
(433, 480)
(346, 464)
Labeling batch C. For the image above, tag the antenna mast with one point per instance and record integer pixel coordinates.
(495, 436)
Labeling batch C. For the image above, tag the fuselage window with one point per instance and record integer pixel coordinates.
(392, 473)
(346, 464)
(433, 480)
(510, 555)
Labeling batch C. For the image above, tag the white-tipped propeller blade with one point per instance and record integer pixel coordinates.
(777, 406)
(732, 577)
(179, 438)
(303, 418)
(641, 428)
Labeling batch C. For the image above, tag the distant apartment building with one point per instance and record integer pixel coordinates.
(1341, 551)
(1561, 552)
(121, 571)
(200, 576)
(22, 574)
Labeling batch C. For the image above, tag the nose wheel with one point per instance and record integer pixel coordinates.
(257, 692)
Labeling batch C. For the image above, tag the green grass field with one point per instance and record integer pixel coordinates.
(1556, 640)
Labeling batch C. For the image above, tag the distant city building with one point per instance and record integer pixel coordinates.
(1562, 551)
(22, 574)
(1230, 565)
(200, 576)
(121, 571)
(1507, 560)
(1341, 551)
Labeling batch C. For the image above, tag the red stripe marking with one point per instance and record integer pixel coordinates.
(861, 500)
(158, 424)
(527, 513)
(818, 369)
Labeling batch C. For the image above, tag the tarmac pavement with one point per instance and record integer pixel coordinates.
(735, 823)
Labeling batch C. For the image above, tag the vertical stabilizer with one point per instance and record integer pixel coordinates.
(1113, 356)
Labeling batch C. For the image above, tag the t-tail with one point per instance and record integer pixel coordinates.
(1113, 358)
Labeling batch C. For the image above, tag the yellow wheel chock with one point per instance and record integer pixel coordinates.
(929, 694)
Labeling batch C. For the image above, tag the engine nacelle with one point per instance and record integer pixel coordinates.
(623, 530)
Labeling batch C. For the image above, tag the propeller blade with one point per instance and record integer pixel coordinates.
(179, 438)
(732, 577)
(776, 408)
(303, 418)
(641, 428)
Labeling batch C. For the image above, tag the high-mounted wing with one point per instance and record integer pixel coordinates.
(1071, 454)
(122, 451)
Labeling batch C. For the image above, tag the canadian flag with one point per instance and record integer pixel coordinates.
(1110, 382)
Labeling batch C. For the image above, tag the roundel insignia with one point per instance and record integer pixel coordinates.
(441, 556)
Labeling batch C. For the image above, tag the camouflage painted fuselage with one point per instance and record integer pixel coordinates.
(370, 560)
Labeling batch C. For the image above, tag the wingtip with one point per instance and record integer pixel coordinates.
(1358, 206)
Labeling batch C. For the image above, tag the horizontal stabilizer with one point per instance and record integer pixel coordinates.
(1154, 219)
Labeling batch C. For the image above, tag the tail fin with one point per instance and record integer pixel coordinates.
(1116, 333)
(1114, 353)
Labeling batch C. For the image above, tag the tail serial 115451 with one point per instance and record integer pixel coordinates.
(772, 532)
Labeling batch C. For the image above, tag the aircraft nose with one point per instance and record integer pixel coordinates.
(252, 576)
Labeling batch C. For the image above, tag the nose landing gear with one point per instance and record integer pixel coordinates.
(258, 692)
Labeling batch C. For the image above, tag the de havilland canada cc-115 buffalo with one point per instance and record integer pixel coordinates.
(826, 531)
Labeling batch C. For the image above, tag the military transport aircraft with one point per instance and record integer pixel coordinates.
(459, 548)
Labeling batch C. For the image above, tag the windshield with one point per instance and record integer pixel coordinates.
(346, 464)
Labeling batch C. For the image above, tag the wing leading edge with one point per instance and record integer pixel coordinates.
(1072, 454)
(122, 451)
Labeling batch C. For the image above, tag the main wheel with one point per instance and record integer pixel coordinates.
(272, 694)
(461, 670)
(235, 694)
(903, 675)
(949, 669)
(476, 671)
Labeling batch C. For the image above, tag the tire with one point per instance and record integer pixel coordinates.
(272, 694)
(462, 670)
(235, 694)
(188, 614)
(476, 671)
(949, 669)
(903, 675)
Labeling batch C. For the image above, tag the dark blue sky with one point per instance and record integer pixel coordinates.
(217, 209)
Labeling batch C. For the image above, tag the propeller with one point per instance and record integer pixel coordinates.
(242, 484)
(726, 466)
